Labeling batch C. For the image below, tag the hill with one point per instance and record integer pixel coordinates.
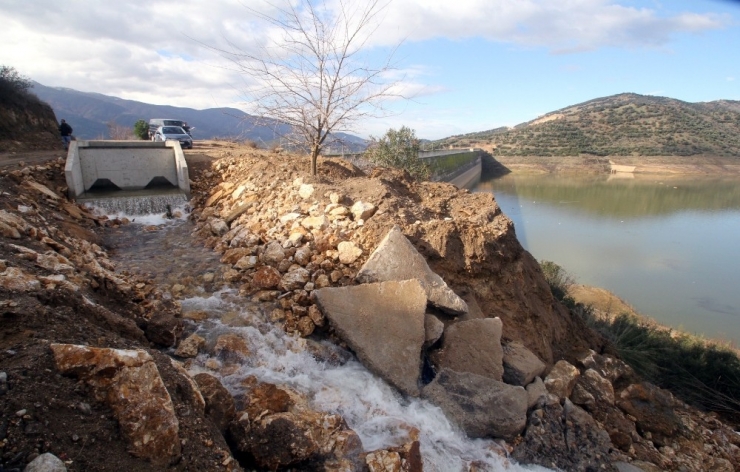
(25, 121)
(90, 113)
(620, 125)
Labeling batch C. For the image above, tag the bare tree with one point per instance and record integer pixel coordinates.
(312, 76)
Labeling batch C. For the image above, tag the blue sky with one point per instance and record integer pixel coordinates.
(471, 65)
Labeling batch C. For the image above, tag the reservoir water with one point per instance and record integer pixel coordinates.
(668, 246)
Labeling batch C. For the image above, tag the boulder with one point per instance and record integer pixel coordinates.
(190, 346)
(481, 406)
(305, 191)
(231, 347)
(266, 277)
(220, 407)
(129, 382)
(246, 263)
(295, 279)
(164, 329)
(652, 407)
(562, 378)
(383, 323)
(46, 462)
(362, 210)
(406, 458)
(565, 438)
(592, 391)
(274, 253)
(315, 222)
(395, 258)
(472, 346)
(433, 329)
(348, 252)
(521, 366)
(535, 391)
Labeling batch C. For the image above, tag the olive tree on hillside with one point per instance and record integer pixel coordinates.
(398, 148)
(312, 73)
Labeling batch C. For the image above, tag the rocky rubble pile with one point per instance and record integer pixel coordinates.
(425, 283)
(342, 256)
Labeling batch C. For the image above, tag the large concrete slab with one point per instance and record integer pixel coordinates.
(383, 323)
(396, 258)
(130, 165)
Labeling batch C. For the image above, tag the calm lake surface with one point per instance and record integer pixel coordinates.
(668, 246)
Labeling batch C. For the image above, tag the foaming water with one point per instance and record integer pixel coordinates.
(375, 411)
(135, 204)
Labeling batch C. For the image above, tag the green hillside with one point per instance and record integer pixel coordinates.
(620, 125)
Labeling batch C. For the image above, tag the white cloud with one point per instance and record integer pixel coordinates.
(165, 51)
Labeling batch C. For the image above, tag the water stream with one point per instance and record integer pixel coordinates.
(373, 409)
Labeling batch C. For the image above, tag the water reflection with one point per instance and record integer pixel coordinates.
(668, 246)
(611, 197)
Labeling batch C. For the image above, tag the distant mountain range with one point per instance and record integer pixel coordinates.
(620, 125)
(90, 113)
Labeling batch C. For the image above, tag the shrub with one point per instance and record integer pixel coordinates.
(141, 129)
(400, 149)
(701, 372)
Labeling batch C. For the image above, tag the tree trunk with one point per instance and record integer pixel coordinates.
(314, 158)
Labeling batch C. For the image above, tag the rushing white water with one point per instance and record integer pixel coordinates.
(380, 415)
(133, 205)
(373, 409)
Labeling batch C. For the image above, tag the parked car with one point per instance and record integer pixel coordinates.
(165, 133)
(155, 123)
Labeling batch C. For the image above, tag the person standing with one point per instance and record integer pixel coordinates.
(66, 131)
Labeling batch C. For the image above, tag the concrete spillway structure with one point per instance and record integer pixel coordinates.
(124, 165)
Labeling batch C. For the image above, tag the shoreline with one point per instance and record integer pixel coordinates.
(653, 165)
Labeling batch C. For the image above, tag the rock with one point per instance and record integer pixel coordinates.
(362, 210)
(288, 217)
(481, 406)
(383, 323)
(232, 256)
(561, 379)
(267, 397)
(335, 198)
(220, 407)
(521, 366)
(190, 346)
(652, 407)
(231, 347)
(473, 346)
(129, 382)
(187, 388)
(406, 458)
(164, 329)
(7, 231)
(246, 263)
(607, 366)
(316, 316)
(14, 221)
(218, 227)
(273, 253)
(46, 462)
(348, 252)
(14, 279)
(266, 277)
(535, 391)
(433, 329)
(305, 191)
(315, 222)
(295, 279)
(395, 258)
(302, 255)
(565, 438)
(294, 240)
(592, 391)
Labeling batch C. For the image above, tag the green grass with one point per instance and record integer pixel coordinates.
(701, 372)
